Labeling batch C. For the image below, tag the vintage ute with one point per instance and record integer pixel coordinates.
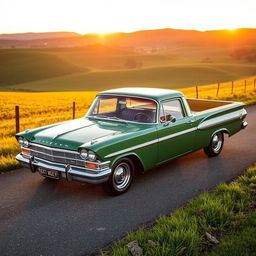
(127, 130)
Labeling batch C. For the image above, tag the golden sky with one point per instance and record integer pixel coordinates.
(102, 16)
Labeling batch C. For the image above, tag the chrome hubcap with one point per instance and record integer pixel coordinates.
(122, 176)
(216, 142)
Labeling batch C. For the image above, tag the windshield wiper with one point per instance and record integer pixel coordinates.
(117, 118)
(98, 116)
(109, 117)
(103, 116)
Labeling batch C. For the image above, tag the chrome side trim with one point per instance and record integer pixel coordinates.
(177, 134)
(237, 115)
(151, 142)
(132, 148)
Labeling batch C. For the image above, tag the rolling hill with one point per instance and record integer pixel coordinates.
(176, 76)
(32, 36)
(23, 66)
(164, 58)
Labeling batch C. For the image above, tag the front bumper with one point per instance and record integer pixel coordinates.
(66, 171)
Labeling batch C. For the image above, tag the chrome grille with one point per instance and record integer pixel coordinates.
(56, 155)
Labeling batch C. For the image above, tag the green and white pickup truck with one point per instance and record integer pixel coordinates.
(127, 130)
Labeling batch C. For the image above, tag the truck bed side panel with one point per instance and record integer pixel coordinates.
(227, 118)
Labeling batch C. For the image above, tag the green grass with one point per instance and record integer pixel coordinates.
(241, 242)
(227, 213)
(99, 57)
(19, 66)
(175, 76)
(59, 69)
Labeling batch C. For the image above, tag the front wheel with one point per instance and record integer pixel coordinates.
(121, 177)
(216, 145)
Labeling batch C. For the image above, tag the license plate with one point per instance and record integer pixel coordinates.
(48, 173)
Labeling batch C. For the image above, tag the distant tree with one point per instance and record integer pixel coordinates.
(244, 53)
(206, 60)
(251, 57)
(131, 63)
(153, 50)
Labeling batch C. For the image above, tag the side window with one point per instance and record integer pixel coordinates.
(170, 109)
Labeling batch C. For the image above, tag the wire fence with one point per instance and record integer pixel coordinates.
(221, 89)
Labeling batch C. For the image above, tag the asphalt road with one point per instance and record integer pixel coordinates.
(38, 217)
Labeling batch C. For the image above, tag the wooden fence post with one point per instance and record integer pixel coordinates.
(197, 92)
(17, 118)
(232, 88)
(218, 88)
(244, 85)
(74, 109)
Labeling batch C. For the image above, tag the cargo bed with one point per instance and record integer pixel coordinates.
(199, 105)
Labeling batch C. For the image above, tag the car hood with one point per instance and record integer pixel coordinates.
(72, 134)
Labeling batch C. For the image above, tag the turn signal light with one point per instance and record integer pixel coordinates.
(25, 151)
(91, 165)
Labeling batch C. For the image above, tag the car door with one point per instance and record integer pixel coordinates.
(176, 130)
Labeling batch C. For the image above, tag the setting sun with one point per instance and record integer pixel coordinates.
(100, 16)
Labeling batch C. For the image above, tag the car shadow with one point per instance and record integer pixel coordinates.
(50, 190)
(183, 169)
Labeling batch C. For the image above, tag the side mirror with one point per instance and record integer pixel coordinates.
(167, 119)
(170, 118)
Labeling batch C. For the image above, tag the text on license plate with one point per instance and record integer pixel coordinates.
(49, 173)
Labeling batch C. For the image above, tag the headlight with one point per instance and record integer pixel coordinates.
(20, 140)
(25, 143)
(91, 156)
(83, 153)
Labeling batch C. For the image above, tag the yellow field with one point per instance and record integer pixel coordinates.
(38, 109)
(225, 89)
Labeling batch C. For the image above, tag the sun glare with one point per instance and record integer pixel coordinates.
(231, 30)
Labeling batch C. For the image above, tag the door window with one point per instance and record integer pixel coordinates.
(171, 109)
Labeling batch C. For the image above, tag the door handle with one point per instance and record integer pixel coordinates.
(190, 122)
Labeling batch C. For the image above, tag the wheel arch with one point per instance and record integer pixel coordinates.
(216, 143)
(223, 130)
(138, 163)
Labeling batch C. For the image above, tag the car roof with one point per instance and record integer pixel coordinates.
(151, 93)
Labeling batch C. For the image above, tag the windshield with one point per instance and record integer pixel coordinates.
(124, 108)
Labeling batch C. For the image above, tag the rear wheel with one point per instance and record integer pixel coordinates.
(121, 177)
(216, 145)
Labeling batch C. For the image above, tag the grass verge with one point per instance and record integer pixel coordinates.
(242, 241)
(227, 214)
